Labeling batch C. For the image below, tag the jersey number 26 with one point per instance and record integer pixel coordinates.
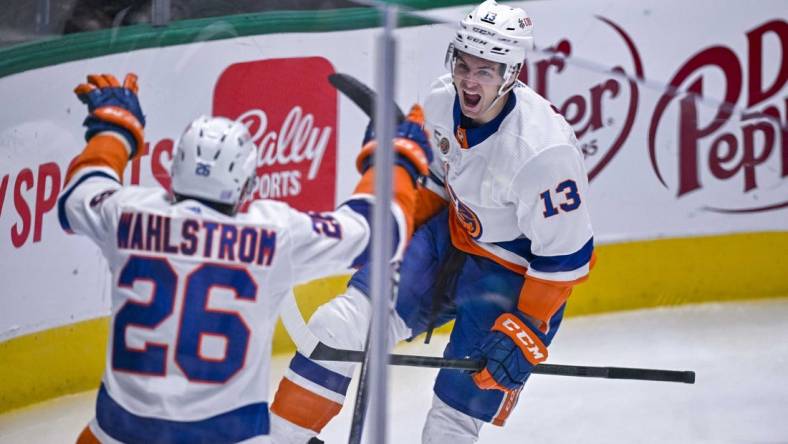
(196, 320)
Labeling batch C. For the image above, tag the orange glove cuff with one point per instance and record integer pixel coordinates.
(124, 119)
(485, 381)
(404, 147)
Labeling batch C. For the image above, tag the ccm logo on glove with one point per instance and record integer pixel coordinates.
(532, 347)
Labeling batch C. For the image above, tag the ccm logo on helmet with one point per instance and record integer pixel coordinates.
(483, 31)
(525, 339)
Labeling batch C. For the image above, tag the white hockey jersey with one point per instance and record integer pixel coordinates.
(517, 185)
(195, 297)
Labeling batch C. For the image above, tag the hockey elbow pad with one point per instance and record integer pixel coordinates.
(115, 108)
(411, 145)
(511, 350)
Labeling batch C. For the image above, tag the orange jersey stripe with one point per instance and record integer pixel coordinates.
(102, 150)
(539, 298)
(463, 241)
(302, 407)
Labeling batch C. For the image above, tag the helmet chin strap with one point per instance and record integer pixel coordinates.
(501, 92)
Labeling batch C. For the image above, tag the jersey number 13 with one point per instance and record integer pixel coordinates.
(567, 191)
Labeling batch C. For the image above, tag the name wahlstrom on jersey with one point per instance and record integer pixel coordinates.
(192, 237)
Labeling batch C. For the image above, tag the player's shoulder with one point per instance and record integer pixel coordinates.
(269, 213)
(535, 125)
(443, 85)
(440, 99)
(139, 198)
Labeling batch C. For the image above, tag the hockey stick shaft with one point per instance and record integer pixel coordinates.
(362, 392)
(366, 99)
(360, 94)
(643, 374)
(326, 353)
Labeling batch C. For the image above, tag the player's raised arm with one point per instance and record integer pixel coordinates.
(115, 134)
(341, 239)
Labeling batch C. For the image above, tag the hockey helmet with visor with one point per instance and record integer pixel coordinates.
(494, 32)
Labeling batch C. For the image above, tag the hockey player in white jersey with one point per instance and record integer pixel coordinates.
(197, 284)
(501, 259)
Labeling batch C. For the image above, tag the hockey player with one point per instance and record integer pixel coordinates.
(197, 285)
(501, 260)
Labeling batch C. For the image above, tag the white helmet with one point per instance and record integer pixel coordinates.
(214, 160)
(498, 33)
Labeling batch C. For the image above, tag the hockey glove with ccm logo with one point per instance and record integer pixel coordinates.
(114, 108)
(411, 145)
(511, 350)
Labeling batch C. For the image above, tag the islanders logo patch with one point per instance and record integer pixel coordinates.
(467, 218)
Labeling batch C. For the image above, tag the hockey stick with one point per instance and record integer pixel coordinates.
(362, 391)
(309, 345)
(360, 94)
(323, 352)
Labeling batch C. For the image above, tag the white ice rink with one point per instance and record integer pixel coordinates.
(738, 350)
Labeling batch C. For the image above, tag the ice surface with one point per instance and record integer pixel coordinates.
(738, 350)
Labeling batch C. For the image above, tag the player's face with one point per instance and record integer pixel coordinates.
(477, 81)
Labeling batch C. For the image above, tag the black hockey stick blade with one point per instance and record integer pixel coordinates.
(327, 353)
(360, 94)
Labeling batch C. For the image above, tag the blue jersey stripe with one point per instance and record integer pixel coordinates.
(520, 246)
(61, 203)
(549, 264)
(364, 208)
(567, 262)
(236, 425)
(318, 374)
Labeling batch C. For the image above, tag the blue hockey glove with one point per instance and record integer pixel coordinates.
(112, 107)
(511, 350)
(413, 151)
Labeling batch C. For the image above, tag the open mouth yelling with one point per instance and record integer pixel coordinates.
(471, 101)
